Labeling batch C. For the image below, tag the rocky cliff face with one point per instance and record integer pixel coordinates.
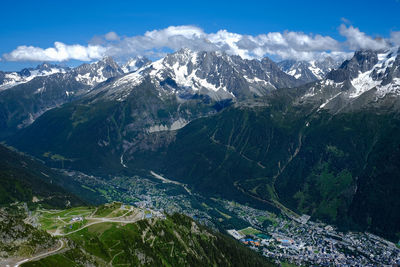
(368, 80)
(309, 71)
(10, 79)
(217, 75)
(24, 103)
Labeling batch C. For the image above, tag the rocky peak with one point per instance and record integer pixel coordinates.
(220, 75)
(309, 71)
(369, 78)
(362, 61)
(25, 72)
(97, 72)
(135, 63)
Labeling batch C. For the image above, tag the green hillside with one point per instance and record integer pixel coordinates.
(91, 134)
(24, 179)
(342, 169)
(19, 239)
(175, 240)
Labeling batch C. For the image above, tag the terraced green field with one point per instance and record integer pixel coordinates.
(50, 220)
(61, 222)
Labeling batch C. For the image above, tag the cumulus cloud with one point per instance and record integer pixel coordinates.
(156, 43)
(284, 45)
(111, 36)
(289, 45)
(395, 38)
(60, 52)
(359, 40)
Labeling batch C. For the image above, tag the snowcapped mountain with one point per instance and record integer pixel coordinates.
(218, 75)
(368, 78)
(10, 79)
(87, 74)
(134, 64)
(97, 72)
(24, 102)
(309, 71)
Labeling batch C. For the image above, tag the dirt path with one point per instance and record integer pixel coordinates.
(42, 255)
(110, 263)
(98, 220)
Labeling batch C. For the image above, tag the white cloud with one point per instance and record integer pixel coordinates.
(60, 52)
(111, 36)
(345, 20)
(359, 40)
(395, 38)
(156, 43)
(173, 37)
(294, 45)
(284, 45)
(186, 31)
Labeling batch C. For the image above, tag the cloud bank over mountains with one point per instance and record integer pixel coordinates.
(156, 43)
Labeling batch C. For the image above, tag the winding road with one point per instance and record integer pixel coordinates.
(62, 244)
(42, 255)
(99, 220)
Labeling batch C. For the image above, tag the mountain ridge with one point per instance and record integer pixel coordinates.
(309, 71)
(249, 148)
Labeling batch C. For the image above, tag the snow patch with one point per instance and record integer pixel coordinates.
(363, 83)
(12, 79)
(40, 90)
(91, 80)
(122, 161)
(315, 70)
(329, 100)
(391, 88)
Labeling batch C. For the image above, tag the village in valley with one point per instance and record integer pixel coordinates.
(302, 241)
(297, 240)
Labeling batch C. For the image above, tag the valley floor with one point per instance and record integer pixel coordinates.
(149, 199)
(278, 237)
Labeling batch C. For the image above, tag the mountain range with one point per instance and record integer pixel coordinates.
(10, 79)
(32, 197)
(316, 138)
(309, 71)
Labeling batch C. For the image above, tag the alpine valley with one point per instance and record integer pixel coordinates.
(167, 162)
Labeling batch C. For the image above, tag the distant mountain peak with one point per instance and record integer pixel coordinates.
(10, 79)
(135, 63)
(368, 78)
(97, 72)
(220, 76)
(309, 71)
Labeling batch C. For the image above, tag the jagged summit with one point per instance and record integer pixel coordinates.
(368, 78)
(215, 74)
(135, 63)
(97, 72)
(309, 71)
(10, 79)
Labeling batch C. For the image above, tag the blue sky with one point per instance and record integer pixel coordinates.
(41, 23)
